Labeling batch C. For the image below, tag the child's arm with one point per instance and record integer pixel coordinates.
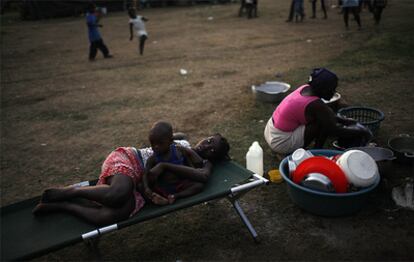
(196, 174)
(150, 164)
(98, 15)
(131, 33)
(145, 19)
(93, 22)
(191, 157)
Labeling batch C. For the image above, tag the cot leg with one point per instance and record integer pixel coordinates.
(92, 244)
(244, 218)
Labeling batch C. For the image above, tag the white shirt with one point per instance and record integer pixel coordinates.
(139, 25)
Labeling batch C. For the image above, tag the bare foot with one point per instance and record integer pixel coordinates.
(159, 200)
(55, 194)
(171, 199)
(45, 208)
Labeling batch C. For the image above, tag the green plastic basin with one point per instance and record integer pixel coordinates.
(322, 203)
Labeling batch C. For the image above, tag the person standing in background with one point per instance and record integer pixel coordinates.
(377, 8)
(291, 10)
(299, 11)
(314, 9)
(351, 6)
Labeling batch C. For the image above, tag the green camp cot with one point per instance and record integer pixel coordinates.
(25, 236)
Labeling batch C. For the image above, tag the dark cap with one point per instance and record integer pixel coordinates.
(321, 79)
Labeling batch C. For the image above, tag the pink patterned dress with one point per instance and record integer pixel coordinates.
(124, 160)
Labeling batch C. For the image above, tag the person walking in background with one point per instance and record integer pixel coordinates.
(291, 11)
(137, 22)
(299, 12)
(95, 39)
(242, 7)
(340, 7)
(366, 4)
(250, 6)
(351, 6)
(377, 8)
(314, 9)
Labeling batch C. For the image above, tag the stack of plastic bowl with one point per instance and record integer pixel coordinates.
(296, 158)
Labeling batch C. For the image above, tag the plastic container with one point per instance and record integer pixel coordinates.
(323, 203)
(300, 154)
(360, 168)
(254, 159)
(274, 176)
(292, 166)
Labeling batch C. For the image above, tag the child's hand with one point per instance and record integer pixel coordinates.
(157, 170)
(148, 193)
(206, 162)
(348, 121)
(159, 200)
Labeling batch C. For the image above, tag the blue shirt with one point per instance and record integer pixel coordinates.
(92, 23)
(350, 3)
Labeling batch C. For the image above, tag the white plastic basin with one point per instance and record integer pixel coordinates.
(360, 168)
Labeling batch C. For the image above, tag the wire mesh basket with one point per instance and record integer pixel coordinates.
(367, 116)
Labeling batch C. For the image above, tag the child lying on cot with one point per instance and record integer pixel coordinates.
(164, 188)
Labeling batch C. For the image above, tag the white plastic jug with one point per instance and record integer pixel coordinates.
(254, 158)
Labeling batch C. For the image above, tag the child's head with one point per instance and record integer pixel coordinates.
(132, 13)
(91, 7)
(214, 148)
(161, 137)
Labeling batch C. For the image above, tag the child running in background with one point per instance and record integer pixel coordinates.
(95, 39)
(136, 22)
(163, 187)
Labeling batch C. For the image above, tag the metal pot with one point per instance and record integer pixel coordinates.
(271, 92)
(403, 148)
(318, 182)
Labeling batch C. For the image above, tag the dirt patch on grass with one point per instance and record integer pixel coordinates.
(61, 115)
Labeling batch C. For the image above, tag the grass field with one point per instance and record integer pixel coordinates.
(61, 115)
